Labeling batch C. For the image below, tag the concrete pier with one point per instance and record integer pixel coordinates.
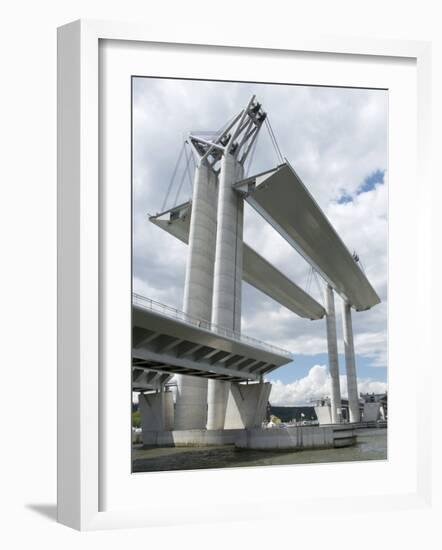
(350, 363)
(284, 438)
(333, 362)
(323, 414)
(226, 306)
(190, 438)
(191, 398)
(296, 438)
(247, 405)
(156, 412)
(371, 412)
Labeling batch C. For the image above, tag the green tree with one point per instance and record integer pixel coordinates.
(136, 420)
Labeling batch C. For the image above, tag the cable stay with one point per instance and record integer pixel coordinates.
(172, 179)
(274, 141)
(318, 284)
(189, 157)
(312, 274)
(186, 173)
(252, 156)
(183, 177)
(309, 279)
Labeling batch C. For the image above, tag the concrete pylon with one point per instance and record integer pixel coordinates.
(247, 405)
(350, 363)
(156, 412)
(191, 398)
(226, 308)
(333, 361)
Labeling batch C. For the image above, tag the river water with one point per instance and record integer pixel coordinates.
(371, 445)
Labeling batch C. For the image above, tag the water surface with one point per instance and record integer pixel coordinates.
(371, 445)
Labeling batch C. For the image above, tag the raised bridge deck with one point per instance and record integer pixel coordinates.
(169, 341)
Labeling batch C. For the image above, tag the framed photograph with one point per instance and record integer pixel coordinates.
(235, 228)
(201, 403)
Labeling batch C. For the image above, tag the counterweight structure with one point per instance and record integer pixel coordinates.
(210, 374)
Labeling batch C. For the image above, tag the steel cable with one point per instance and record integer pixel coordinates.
(172, 179)
(183, 176)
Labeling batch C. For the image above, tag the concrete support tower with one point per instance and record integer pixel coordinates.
(333, 361)
(226, 309)
(191, 399)
(225, 154)
(350, 364)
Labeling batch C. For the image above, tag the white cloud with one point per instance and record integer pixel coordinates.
(316, 385)
(303, 391)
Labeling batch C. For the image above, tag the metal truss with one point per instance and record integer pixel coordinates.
(236, 138)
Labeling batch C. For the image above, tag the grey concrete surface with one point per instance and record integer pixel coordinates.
(296, 437)
(247, 405)
(156, 411)
(350, 363)
(226, 305)
(191, 398)
(333, 361)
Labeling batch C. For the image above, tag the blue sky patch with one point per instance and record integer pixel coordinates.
(369, 183)
(344, 199)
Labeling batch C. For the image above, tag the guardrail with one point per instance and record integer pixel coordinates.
(168, 311)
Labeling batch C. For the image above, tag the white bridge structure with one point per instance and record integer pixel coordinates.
(219, 371)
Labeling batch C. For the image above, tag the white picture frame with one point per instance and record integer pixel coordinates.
(80, 438)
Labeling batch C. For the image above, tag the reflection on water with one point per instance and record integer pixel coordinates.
(371, 445)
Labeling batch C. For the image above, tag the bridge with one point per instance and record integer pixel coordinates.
(257, 271)
(167, 341)
(281, 198)
(203, 345)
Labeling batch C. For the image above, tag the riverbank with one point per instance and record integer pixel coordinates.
(371, 444)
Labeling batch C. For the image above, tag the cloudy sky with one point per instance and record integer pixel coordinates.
(336, 139)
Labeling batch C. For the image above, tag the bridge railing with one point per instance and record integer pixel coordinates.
(168, 311)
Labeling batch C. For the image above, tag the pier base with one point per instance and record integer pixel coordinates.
(247, 405)
(323, 414)
(371, 412)
(289, 437)
(156, 412)
(190, 438)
